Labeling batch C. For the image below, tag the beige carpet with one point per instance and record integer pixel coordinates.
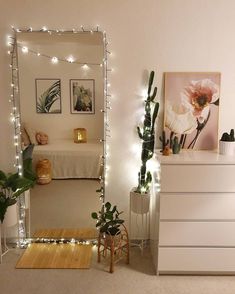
(56, 256)
(64, 204)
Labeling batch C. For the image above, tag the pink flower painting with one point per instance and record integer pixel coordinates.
(192, 108)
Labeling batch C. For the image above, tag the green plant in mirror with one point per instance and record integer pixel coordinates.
(108, 220)
(147, 135)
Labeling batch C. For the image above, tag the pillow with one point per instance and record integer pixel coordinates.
(24, 136)
(42, 138)
(31, 133)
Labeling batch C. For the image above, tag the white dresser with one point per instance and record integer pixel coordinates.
(197, 213)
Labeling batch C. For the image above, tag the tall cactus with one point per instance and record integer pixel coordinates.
(147, 135)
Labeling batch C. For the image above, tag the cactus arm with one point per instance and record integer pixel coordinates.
(151, 77)
(139, 133)
(154, 94)
(155, 113)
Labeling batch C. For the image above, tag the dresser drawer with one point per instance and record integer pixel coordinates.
(197, 206)
(197, 234)
(196, 260)
(197, 178)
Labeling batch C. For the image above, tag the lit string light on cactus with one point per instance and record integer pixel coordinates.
(15, 114)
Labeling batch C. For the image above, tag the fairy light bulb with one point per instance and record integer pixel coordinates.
(25, 49)
(44, 28)
(54, 60)
(85, 66)
(38, 54)
(70, 59)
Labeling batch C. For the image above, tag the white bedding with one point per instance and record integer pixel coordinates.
(71, 160)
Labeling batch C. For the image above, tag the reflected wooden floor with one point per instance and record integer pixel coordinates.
(84, 233)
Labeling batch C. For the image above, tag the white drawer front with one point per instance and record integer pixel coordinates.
(197, 234)
(195, 206)
(197, 178)
(193, 260)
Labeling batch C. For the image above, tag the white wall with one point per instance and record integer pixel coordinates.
(163, 35)
(31, 67)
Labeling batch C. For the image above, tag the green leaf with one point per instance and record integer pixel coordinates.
(109, 215)
(94, 215)
(107, 205)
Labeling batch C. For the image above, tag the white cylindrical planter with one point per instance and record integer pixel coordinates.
(139, 202)
(227, 148)
(11, 218)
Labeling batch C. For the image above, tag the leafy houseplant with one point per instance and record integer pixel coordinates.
(227, 143)
(108, 220)
(11, 187)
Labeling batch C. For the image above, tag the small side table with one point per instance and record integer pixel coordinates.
(117, 246)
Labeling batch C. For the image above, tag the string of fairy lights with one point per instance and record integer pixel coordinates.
(14, 99)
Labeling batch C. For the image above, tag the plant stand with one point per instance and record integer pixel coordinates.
(3, 243)
(139, 209)
(117, 246)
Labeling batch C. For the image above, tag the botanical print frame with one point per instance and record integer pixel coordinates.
(82, 96)
(48, 95)
(192, 108)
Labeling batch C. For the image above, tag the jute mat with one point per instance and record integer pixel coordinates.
(84, 233)
(55, 256)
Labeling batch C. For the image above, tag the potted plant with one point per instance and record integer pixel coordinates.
(11, 187)
(108, 221)
(227, 143)
(140, 196)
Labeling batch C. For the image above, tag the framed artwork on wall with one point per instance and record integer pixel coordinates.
(192, 108)
(82, 96)
(48, 95)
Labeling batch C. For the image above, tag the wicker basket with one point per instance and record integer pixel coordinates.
(43, 171)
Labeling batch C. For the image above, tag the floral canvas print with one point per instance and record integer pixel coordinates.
(48, 95)
(192, 109)
(82, 96)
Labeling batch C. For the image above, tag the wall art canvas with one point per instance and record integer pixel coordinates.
(192, 109)
(82, 96)
(48, 95)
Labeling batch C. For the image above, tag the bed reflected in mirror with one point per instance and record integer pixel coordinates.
(61, 83)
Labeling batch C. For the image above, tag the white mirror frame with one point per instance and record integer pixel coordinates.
(14, 99)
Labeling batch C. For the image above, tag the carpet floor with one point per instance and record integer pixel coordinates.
(64, 204)
(138, 278)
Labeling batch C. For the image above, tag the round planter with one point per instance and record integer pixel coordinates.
(226, 148)
(11, 218)
(140, 203)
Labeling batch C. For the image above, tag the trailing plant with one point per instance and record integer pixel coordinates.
(108, 220)
(228, 137)
(28, 171)
(147, 135)
(48, 98)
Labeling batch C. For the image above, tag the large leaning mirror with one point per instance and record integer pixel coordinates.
(61, 84)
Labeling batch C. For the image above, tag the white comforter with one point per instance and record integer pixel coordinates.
(71, 160)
